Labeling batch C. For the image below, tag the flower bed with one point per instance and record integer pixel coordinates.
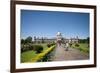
(43, 54)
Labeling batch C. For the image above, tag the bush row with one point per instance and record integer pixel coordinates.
(77, 45)
(50, 44)
(37, 48)
(43, 54)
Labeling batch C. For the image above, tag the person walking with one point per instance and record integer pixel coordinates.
(66, 46)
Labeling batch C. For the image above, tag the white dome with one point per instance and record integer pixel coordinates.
(58, 33)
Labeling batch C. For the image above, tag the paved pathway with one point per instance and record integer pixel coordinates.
(72, 54)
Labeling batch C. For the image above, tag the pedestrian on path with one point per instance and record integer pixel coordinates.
(66, 46)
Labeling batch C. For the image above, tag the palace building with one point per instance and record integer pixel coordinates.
(59, 38)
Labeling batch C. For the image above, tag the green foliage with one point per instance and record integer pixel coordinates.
(27, 47)
(27, 56)
(38, 48)
(42, 40)
(84, 50)
(84, 40)
(32, 56)
(70, 44)
(41, 55)
(77, 45)
(83, 47)
(27, 40)
(30, 51)
(50, 44)
(22, 41)
(88, 39)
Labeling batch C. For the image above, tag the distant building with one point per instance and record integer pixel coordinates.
(59, 38)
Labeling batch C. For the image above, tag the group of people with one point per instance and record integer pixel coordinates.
(65, 45)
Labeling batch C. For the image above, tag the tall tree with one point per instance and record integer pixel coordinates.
(22, 41)
(28, 39)
(88, 39)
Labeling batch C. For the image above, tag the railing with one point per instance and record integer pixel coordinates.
(40, 56)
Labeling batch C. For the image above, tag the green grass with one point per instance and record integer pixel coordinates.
(41, 55)
(83, 47)
(27, 56)
(44, 46)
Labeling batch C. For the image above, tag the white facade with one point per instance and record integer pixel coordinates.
(58, 38)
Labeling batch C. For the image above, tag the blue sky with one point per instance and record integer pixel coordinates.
(48, 23)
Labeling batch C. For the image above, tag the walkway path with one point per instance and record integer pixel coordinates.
(72, 54)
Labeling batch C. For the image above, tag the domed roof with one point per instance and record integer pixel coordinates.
(58, 33)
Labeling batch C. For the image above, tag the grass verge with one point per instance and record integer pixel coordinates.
(83, 47)
(26, 56)
(31, 56)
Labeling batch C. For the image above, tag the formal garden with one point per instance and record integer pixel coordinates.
(35, 52)
(32, 51)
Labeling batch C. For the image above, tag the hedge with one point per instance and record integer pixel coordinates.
(38, 48)
(28, 47)
(41, 55)
(50, 44)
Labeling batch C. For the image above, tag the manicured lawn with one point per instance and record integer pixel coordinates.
(42, 54)
(82, 47)
(27, 56)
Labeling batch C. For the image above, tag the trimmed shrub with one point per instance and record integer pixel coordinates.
(77, 45)
(38, 48)
(40, 56)
(70, 44)
(50, 44)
